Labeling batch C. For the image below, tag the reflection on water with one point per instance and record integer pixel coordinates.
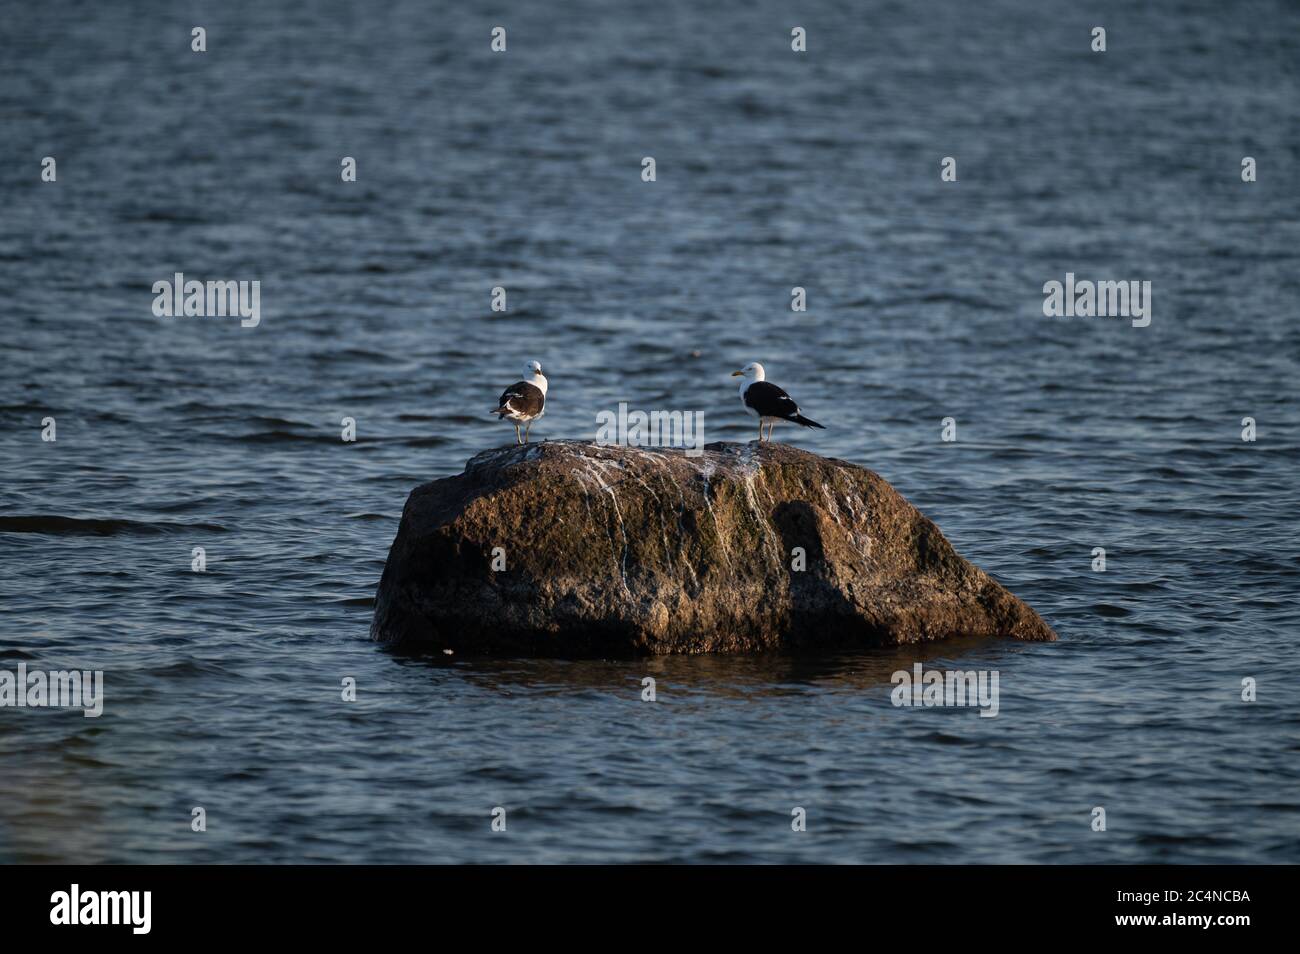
(764, 674)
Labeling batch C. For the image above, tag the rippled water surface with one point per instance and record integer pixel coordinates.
(522, 170)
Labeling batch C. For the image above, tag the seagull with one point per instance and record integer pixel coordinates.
(767, 402)
(524, 401)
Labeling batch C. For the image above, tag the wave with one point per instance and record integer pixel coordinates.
(83, 526)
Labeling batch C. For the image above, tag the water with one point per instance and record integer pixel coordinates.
(523, 170)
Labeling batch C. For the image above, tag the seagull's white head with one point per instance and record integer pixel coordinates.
(533, 375)
(750, 372)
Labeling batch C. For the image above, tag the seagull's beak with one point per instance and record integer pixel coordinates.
(737, 374)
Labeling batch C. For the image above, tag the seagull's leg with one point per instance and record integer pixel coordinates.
(527, 427)
(760, 430)
(517, 440)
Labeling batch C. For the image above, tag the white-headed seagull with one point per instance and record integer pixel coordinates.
(524, 401)
(766, 401)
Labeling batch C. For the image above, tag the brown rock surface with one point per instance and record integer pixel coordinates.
(618, 550)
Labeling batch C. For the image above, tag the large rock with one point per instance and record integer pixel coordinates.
(616, 550)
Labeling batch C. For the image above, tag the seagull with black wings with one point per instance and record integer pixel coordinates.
(767, 402)
(524, 401)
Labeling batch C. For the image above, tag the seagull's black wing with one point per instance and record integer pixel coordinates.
(767, 400)
(521, 398)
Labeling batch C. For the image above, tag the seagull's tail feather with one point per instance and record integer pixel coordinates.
(807, 422)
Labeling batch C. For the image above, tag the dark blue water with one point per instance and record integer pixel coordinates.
(522, 169)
